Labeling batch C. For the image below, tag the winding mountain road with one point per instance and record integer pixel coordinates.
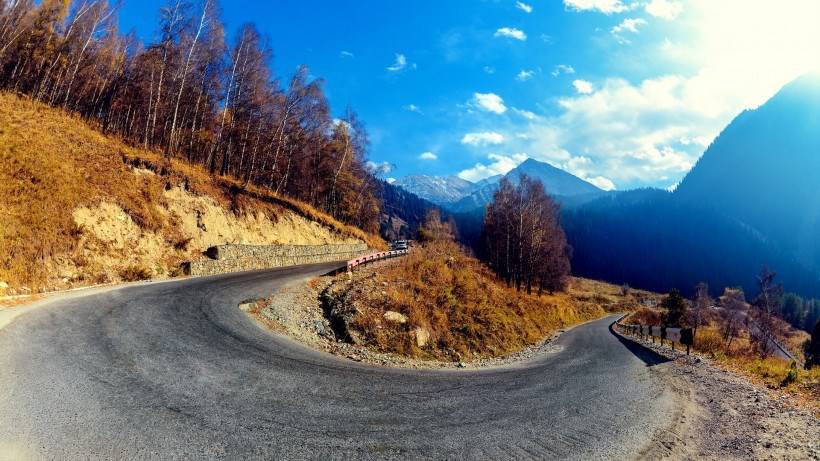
(174, 370)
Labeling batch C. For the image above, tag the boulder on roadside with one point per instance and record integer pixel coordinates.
(395, 317)
(248, 305)
(422, 336)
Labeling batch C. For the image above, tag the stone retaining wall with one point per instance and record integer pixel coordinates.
(239, 258)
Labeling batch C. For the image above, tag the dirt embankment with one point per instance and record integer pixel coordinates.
(80, 208)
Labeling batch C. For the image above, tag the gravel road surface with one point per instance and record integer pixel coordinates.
(175, 370)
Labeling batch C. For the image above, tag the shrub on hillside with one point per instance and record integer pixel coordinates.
(134, 272)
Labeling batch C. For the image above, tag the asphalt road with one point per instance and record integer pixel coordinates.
(175, 370)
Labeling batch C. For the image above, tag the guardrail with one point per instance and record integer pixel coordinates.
(682, 336)
(374, 257)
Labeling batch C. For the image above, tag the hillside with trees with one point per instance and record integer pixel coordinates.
(403, 212)
(194, 95)
(82, 208)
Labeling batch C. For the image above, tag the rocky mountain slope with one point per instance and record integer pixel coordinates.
(563, 186)
(441, 190)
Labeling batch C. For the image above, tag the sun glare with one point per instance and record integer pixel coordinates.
(755, 47)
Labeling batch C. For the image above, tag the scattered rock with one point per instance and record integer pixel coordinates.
(248, 305)
(320, 327)
(462, 365)
(422, 336)
(395, 317)
(3, 285)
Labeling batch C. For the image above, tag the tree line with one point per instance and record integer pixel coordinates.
(524, 242)
(194, 96)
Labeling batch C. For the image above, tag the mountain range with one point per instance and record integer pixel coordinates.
(441, 190)
(462, 196)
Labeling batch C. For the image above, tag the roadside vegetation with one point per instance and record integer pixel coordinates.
(736, 334)
(440, 303)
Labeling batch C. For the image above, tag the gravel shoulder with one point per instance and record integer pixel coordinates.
(725, 416)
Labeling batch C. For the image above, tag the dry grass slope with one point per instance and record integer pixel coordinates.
(467, 311)
(52, 164)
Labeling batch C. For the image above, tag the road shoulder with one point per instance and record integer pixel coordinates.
(725, 416)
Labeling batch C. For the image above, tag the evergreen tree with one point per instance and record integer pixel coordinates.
(813, 348)
(675, 307)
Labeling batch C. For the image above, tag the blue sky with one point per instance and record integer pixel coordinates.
(624, 94)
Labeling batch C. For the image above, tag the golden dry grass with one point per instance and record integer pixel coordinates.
(467, 310)
(52, 162)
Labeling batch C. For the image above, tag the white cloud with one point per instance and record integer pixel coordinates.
(499, 164)
(413, 108)
(390, 180)
(525, 113)
(563, 69)
(628, 133)
(428, 156)
(524, 7)
(583, 86)
(602, 182)
(346, 54)
(524, 75)
(511, 32)
(603, 6)
(664, 9)
(483, 138)
(399, 64)
(490, 102)
(379, 167)
(650, 131)
(629, 25)
(489, 70)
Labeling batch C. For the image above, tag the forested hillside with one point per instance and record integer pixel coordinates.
(193, 96)
(763, 171)
(752, 200)
(403, 212)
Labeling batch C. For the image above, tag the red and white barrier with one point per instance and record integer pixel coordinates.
(374, 257)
